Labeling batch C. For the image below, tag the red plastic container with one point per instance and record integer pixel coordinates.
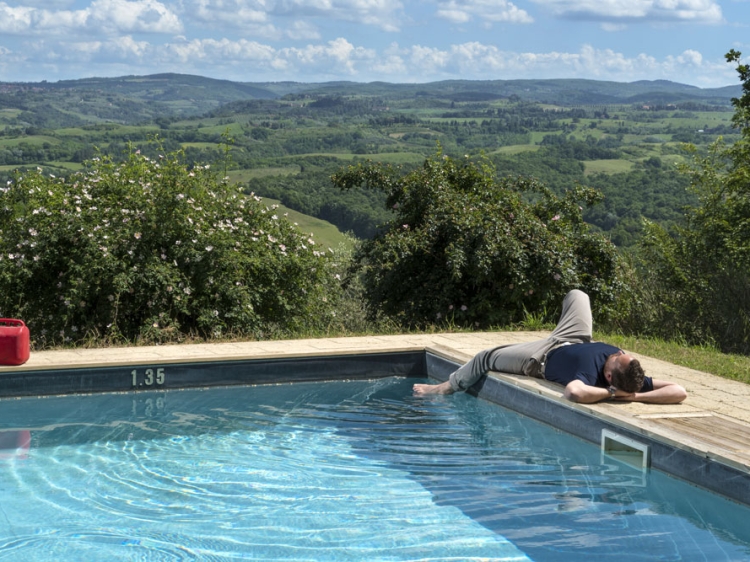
(14, 342)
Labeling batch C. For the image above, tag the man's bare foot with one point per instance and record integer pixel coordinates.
(442, 388)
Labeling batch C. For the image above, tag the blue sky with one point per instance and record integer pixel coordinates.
(368, 40)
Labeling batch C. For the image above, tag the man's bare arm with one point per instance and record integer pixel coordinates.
(578, 391)
(664, 393)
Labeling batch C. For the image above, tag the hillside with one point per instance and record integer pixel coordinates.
(135, 99)
(287, 138)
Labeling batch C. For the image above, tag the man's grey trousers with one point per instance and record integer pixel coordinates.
(575, 326)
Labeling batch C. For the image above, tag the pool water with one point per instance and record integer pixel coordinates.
(356, 470)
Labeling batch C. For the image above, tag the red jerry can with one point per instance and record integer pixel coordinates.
(14, 342)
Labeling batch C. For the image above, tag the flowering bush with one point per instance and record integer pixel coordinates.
(478, 251)
(151, 250)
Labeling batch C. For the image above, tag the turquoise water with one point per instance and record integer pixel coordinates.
(331, 471)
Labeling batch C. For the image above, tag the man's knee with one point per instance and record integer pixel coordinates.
(575, 295)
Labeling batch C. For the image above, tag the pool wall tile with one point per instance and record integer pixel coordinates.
(157, 376)
(697, 469)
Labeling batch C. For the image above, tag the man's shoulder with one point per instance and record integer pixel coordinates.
(599, 346)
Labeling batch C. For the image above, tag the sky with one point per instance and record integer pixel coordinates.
(375, 40)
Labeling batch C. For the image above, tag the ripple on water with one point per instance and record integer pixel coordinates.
(274, 481)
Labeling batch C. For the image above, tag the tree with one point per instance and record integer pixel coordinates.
(697, 277)
(475, 249)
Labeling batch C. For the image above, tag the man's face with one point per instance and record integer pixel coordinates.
(619, 360)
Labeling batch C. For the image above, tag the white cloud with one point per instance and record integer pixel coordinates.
(247, 60)
(136, 16)
(384, 14)
(302, 30)
(338, 54)
(474, 60)
(228, 12)
(15, 20)
(101, 17)
(698, 11)
(463, 11)
(218, 52)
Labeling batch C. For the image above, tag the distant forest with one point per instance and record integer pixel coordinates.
(285, 140)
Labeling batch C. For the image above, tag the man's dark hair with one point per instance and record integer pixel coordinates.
(629, 379)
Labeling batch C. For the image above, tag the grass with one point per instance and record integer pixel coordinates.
(607, 166)
(199, 145)
(516, 149)
(325, 234)
(389, 157)
(64, 165)
(700, 358)
(32, 141)
(241, 176)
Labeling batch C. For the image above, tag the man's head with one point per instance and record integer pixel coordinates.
(624, 372)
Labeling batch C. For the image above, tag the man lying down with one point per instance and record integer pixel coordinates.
(589, 371)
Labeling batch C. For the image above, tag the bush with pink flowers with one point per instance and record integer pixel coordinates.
(154, 250)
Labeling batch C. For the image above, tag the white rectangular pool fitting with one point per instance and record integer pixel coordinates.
(626, 450)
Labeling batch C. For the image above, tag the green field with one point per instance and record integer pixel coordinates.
(324, 233)
(30, 140)
(516, 149)
(607, 166)
(241, 176)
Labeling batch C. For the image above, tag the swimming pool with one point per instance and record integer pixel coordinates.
(356, 470)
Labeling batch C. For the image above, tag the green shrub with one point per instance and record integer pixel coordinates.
(476, 251)
(695, 278)
(151, 250)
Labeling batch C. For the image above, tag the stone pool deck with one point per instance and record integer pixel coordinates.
(714, 421)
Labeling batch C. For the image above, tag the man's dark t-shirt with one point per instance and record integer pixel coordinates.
(583, 362)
